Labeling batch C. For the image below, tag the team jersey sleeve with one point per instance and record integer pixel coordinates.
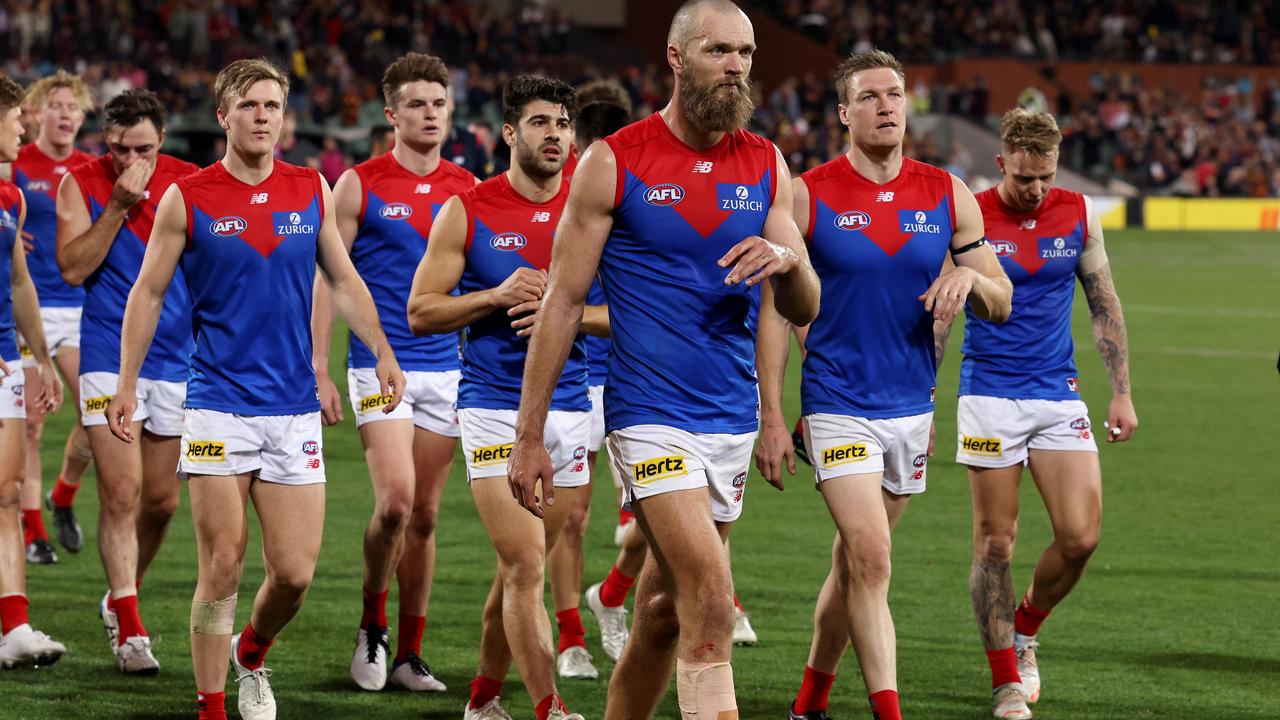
(1094, 255)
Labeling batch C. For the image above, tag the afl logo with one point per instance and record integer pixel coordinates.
(395, 211)
(311, 447)
(228, 226)
(853, 220)
(664, 195)
(1003, 248)
(507, 241)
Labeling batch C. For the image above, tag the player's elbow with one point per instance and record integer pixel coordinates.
(999, 306)
(70, 275)
(423, 320)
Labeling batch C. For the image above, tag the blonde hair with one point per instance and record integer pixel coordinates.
(1035, 133)
(859, 62)
(239, 76)
(38, 92)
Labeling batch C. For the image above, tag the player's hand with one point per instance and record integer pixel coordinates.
(1121, 416)
(946, 297)
(521, 286)
(391, 380)
(530, 464)
(775, 445)
(50, 397)
(131, 186)
(28, 242)
(526, 315)
(755, 259)
(120, 411)
(330, 399)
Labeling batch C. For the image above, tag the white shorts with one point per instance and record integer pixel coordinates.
(898, 448)
(159, 402)
(430, 399)
(657, 459)
(997, 432)
(597, 417)
(61, 330)
(487, 437)
(285, 449)
(12, 404)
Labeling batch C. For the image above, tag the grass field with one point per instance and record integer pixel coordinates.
(1172, 621)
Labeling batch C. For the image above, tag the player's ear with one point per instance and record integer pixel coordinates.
(1000, 162)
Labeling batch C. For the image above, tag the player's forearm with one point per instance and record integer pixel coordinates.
(80, 256)
(354, 302)
(595, 320)
(772, 351)
(321, 325)
(141, 313)
(26, 315)
(991, 298)
(433, 313)
(797, 294)
(941, 334)
(548, 351)
(1109, 332)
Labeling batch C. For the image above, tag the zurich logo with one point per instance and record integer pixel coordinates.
(664, 195)
(741, 192)
(228, 226)
(1004, 248)
(920, 216)
(853, 220)
(1059, 243)
(395, 211)
(507, 241)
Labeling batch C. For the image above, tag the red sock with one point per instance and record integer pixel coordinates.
(484, 690)
(375, 609)
(253, 648)
(213, 705)
(64, 493)
(737, 604)
(799, 427)
(884, 705)
(613, 592)
(409, 637)
(33, 526)
(1004, 667)
(542, 709)
(13, 612)
(625, 516)
(572, 634)
(128, 619)
(1027, 618)
(814, 690)
(111, 603)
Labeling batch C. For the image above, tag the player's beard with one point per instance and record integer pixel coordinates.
(534, 165)
(708, 110)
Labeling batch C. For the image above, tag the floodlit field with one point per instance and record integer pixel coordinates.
(1173, 620)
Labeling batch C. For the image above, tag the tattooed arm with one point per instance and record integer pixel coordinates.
(1108, 328)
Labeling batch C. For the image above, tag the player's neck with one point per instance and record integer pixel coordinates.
(534, 189)
(879, 165)
(419, 161)
(684, 131)
(56, 152)
(248, 169)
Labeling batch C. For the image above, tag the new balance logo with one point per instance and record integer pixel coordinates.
(884, 196)
(541, 216)
(422, 189)
(1028, 225)
(703, 166)
(258, 199)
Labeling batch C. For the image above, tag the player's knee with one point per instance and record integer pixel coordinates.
(995, 541)
(657, 614)
(119, 498)
(10, 483)
(290, 582)
(422, 522)
(35, 428)
(160, 509)
(392, 514)
(220, 572)
(1078, 546)
(869, 563)
(522, 570)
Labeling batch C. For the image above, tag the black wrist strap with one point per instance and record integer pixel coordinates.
(971, 246)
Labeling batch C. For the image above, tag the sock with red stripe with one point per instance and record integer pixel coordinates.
(64, 493)
(572, 633)
(625, 516)
(484, 690)
(111, 602)
(1027, 618)
(128, 619)
(814, 691)
(253, 648)
(375, 609)
(409, 636)
(884, 705)
(543, 709)
(212, 705)
(33, 526)
(1004, 667)
(613, 592)
(737, 604)
(13, 612)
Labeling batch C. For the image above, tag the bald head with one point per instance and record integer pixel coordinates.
(688, 21)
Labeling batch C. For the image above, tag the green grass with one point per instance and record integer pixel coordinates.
(1172, 621)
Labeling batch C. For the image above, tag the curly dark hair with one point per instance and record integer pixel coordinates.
(132, 107)
(11, 94)
(599, 120)
(524, 89)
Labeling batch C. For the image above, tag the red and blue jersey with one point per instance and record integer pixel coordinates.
(683, 352)
(506, 231)
(10, 212)
(250, 263)
(597, 347)
(876, 249)
(38, 176)
(1030, 356)
(107, 288)
(396, 211)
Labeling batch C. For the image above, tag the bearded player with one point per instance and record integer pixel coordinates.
(1020, 400)
(673, 211)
